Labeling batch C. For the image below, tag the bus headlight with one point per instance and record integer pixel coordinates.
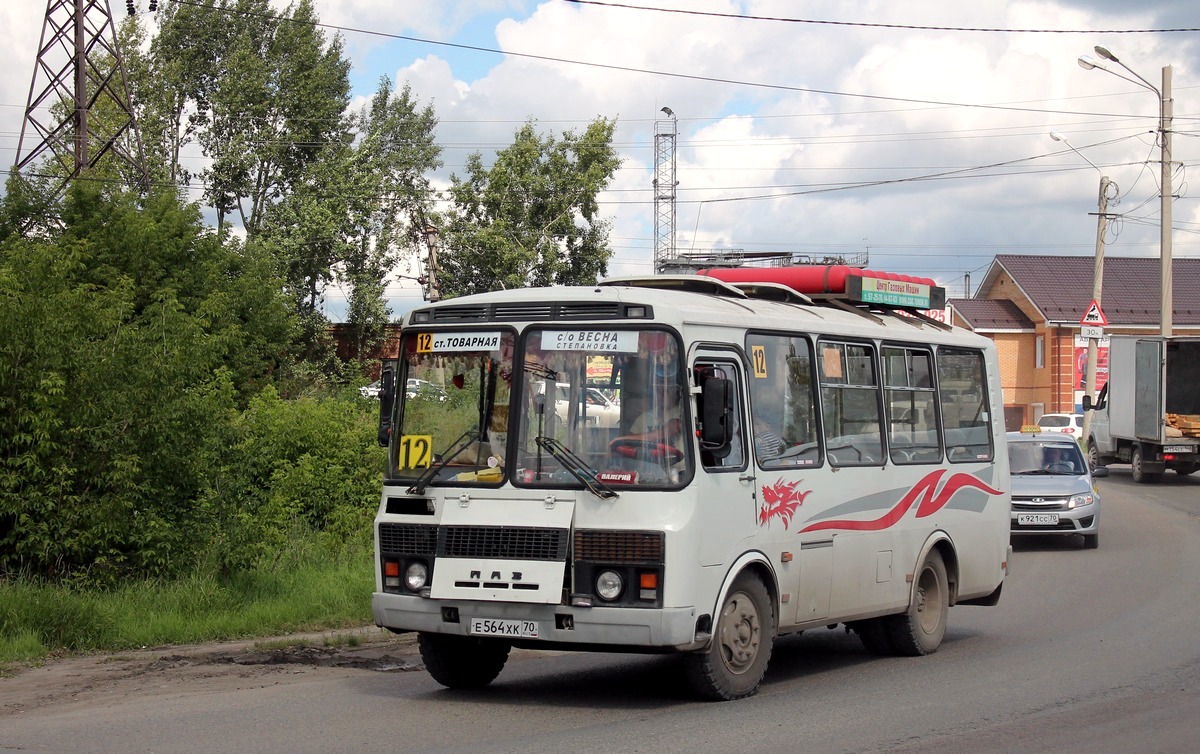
(414, 577)
(1078, 501)
(609, 585)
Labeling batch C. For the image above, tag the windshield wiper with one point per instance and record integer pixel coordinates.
(577, 466)
(462, 443)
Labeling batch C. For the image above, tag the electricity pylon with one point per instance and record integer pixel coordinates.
(78, 107)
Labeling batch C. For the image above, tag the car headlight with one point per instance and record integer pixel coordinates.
(1078, 501)
(414, 577)
(609, 585)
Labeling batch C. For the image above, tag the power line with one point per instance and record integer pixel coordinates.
(631, 69)
(869, 25)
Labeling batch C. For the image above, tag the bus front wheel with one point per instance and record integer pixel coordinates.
(743, 636)
(462, 662)
(919, 631)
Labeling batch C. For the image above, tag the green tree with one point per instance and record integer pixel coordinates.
(171, 81)
(391, 162)
(532, 218)
(263, 93)
(128, 341)
(356, 212)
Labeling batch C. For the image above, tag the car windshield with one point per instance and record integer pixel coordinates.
(453, 414)
(616, 403)
(1035, 457)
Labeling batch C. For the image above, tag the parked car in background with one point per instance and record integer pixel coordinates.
(417, 388)
(1071, 424)
(1053, 489)
(370, 392)
(600, 410)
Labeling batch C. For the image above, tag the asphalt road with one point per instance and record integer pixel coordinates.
(1089, 650)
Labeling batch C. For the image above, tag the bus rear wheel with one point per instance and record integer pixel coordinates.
(744, 633)
(462, 662)
(919, 631)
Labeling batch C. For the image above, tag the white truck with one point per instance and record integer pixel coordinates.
(1149, 378)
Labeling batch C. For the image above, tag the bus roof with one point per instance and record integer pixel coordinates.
(684, 301)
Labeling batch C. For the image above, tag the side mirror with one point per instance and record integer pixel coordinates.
(716, 412)
(1087, 403)
(1099, 472)
(387, 401)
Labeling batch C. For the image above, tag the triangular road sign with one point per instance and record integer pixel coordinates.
(1094, 316)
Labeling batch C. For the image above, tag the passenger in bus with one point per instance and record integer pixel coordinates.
(767, 442)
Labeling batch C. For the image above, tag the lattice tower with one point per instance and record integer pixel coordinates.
(665, 133)
(79, 69)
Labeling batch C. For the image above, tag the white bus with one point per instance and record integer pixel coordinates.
(781, 462)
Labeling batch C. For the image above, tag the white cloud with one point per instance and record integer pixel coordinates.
(806, 131)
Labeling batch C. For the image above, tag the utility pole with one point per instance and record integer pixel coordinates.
(1089, 382)
(78, 37)
(432, 292)
(1165, 111)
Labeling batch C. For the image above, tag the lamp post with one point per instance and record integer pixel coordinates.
(1089, 382)
(1165, 108)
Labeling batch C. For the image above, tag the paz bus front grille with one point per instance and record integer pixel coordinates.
(507, 542)
(619, 546)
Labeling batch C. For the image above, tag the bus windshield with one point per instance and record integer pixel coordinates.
(453, 407)
(609, 403)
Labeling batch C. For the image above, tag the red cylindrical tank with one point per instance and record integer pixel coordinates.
(807, 279)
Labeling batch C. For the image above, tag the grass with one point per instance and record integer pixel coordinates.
(38, 620)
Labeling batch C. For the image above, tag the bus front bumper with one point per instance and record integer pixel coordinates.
(666, 628)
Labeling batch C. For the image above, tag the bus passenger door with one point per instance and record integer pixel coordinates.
(726, 494)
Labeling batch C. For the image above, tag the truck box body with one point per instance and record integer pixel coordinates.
(1149, 378)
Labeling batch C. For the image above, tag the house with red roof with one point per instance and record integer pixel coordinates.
(1031, 306)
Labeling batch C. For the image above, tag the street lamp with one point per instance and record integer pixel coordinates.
(1089, 383)
(1164, 144)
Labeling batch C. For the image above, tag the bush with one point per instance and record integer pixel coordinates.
(127, 343)
(294, 467)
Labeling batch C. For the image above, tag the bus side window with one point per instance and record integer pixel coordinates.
(912, 427)
(962, 388)
(783, 401)
(850, 404)
(735, 459)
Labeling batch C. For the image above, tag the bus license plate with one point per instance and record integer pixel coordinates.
(1037, 519)
(516, 629)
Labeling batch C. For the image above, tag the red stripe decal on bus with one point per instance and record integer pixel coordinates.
(930, 503)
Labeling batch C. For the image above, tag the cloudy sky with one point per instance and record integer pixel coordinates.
(913, 135)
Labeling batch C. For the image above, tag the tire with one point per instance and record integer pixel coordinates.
(462, 662)
(873, 634)
(1185, 470)
(919, 631)
(1137, 468)
(1093, 455)
(744, 633)
(1091, 541)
